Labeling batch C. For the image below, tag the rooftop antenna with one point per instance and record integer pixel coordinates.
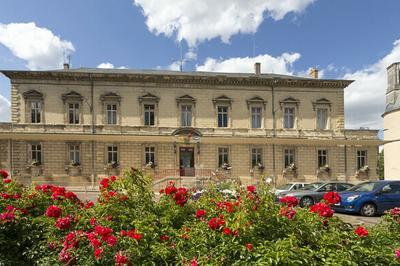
(181, 58)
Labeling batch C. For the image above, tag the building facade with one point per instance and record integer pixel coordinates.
(391, 120)
(77, 125)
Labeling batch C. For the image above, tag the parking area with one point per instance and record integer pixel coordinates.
(358, 219)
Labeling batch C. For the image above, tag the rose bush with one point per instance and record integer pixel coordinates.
(47, 225)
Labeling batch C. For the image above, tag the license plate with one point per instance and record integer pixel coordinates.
(337, 204)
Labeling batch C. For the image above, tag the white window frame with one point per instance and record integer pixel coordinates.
(150, 151)
(258, 116)
(317, 111)
(222, 113)
(361, 156)
(223, 156)
(290, 154)
(74, 153)
(114, 153)
(186, 114)
(76, 113)
(111, 114)
(288, 115)
(148, 109)
(322, 156)
(38, 152)
(257, 154)
(37, 109)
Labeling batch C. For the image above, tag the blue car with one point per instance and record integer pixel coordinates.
(370, 198)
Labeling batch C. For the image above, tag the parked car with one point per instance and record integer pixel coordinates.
(370, 198)
(288, 187)
(314, 192)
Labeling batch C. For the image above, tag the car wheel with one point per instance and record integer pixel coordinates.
(368, 209)
(306, 202)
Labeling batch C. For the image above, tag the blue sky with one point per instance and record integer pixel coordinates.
(353, 39)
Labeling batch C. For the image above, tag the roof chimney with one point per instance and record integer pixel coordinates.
(66, 66)
(257, 68)
(313, 73)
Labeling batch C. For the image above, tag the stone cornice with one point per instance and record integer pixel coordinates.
(256, 81)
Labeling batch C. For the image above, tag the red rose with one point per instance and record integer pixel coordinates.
(53, 211)
(290, 201)
(181, 196)
(97, 253)
(120, 259)
(332, 197)
(227, 231)
(200, 213)
(64, 256)
(251, 189)
(104, 183)
(16, 196)
(361, 231)
(397, 253)
(249, 246)
(7, 180)
(4, 173)
(216, 223)
(7, 216)
(164, 238)
(288, 212)
(111, 240)
(322, 209)
(88, 204)
(193, 262)
(63, 223)
(113, 178)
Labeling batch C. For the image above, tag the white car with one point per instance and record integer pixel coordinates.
(288, 187)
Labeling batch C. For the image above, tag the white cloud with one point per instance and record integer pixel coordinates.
(108, 65)
(105, 65)
(5, 107)
(39, 47)
(281, 64)
(196, 21)
(365, 98)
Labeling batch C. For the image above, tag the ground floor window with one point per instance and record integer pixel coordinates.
(112, 154)
(36, 154)
(256, 157)
(74, 154)
(289, 157)
(150, 156)
(322, 158)
(361, 159)
(223, 156)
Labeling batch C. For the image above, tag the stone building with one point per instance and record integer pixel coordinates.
(77, 125)
(391, 120)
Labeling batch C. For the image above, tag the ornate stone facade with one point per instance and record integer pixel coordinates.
(76, 125)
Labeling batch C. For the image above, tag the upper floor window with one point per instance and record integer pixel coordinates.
(112, 154)
(73, 113)
(361, 159)
(74, 154)
(36, 110)
(256, 157)
(150, 155)
(112, 103)
(322, 118)
(289, 157)
(36, 154)
(223, 156)
(322, 158)
(256, 115)
(111, 114)
(222, 116)
(149, 114)
(34, 106)
(186, 115)
(289, 117)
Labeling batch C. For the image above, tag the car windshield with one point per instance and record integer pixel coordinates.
(312, 186)
(284, 187)
(365, 187)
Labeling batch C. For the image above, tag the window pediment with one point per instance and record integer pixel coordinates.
(72, 96)
(185, 131)
(322, 102)
(289, 101)
(148, 97)
(256, 100)
(33, 94)
(222, 99)
(186, 99)
(111, 97)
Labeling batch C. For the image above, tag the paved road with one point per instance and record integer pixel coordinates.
(358, 219)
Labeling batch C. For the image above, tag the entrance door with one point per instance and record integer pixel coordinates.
(186, 161)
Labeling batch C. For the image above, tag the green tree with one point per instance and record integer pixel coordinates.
(381, 165)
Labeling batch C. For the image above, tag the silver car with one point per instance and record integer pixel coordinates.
(314, 192)
(285, 188)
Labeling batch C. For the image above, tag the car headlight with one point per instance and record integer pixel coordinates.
(352, 198)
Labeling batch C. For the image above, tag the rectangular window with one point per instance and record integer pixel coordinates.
(186, 115)
(289, 116)
(361, 159)
(74, 154)
(149, 155)
(322, 158)
(73, 113)
(256, 157)
(322, 118)
(289, 157)
(36, 109)
(223, 156)
(112, 154)
(36, 153)
(256, 115)
(222, 116)
(149, 114)
(111, 114)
